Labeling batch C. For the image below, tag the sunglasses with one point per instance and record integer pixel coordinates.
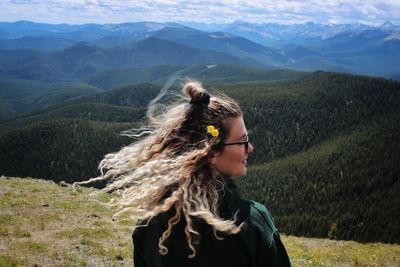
(245, 143)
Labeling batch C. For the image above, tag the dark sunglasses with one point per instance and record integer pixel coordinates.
(245, 143)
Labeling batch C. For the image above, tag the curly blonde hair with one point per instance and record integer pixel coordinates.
(170, 169)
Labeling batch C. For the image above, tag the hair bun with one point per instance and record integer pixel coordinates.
(197, 94)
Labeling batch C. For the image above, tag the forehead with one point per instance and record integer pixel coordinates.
(237, 129)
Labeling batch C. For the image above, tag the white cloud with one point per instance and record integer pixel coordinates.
(220, 11)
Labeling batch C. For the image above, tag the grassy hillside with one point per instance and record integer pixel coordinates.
(47, 224)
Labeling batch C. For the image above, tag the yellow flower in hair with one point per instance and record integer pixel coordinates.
(212, 130)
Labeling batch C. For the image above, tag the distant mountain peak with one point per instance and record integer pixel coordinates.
(387, 24)
(220, 35)
(132, 27)
(82, 45)
(238, 22)
(311, 23)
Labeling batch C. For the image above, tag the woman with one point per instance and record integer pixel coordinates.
(178, 182)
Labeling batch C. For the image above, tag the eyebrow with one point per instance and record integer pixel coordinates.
(243, 136)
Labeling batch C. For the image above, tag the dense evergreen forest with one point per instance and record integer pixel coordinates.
(326, 148)
(347, 187)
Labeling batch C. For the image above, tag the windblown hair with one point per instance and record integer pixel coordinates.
(170, 169)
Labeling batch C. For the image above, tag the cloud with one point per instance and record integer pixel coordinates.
(211, 11)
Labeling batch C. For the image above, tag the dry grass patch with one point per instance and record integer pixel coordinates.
(325, 252)
(50, 225)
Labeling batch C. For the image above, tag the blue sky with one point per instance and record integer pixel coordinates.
(207, 11)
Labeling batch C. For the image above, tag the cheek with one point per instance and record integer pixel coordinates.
(228, 161)
(235, 159)
(235, 156)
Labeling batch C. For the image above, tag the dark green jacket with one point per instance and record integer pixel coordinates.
(258, 245)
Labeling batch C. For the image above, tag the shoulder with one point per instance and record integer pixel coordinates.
(261, 218)
(259, 209)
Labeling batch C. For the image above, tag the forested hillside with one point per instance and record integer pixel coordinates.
(60, 150)
(290, 117)
(21, 97)
(326, 148)
(126, 104)
(344, 188)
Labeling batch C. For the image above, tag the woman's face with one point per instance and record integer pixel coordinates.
(232, 160)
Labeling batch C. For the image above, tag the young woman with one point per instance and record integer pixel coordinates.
(178, 182)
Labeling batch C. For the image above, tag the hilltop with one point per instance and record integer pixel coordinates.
(43, 223)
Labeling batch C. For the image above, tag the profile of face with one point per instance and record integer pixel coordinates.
(232, 159)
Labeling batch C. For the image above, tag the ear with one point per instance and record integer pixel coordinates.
(212, 159)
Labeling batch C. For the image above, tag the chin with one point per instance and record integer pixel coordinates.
(242, 173)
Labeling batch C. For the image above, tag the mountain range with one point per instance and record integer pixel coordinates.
(274, 34)
(28, 48)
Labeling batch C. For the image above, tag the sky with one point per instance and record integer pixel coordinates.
(371, 12)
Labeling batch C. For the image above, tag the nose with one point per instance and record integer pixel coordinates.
(250, 148)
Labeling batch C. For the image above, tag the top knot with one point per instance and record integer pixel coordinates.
(197, 94)
(204, 99)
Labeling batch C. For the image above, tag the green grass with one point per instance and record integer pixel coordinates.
(47, 224)
(324, 252)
